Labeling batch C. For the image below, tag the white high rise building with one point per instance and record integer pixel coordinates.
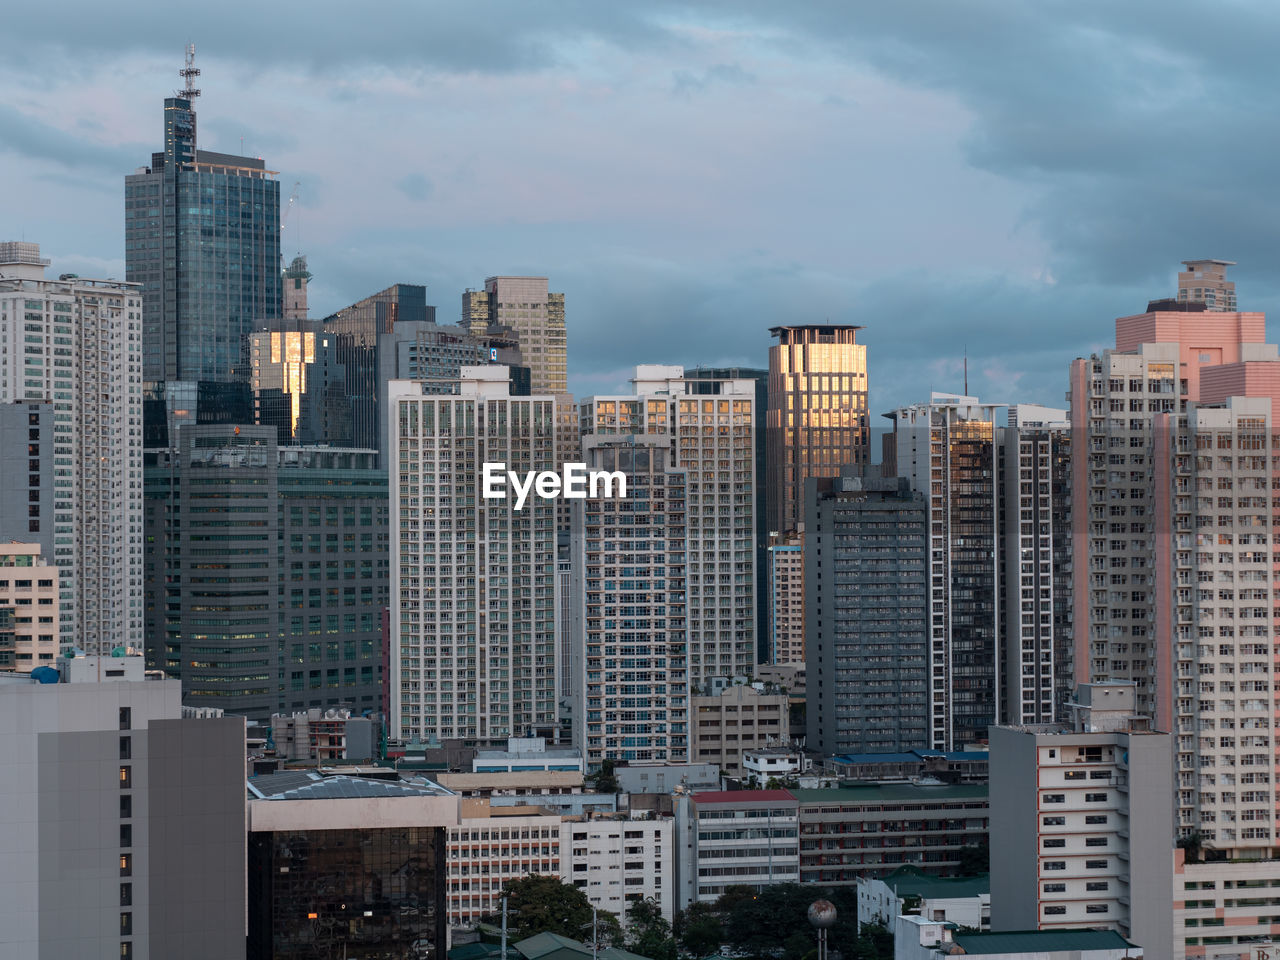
(472, 579)
(708, 427)
(76, 344)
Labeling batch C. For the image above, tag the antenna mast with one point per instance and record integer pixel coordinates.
(189, 73)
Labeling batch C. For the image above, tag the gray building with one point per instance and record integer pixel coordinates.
(267, 573)
(866, 614)
(1085, 815)
(202, 236)
(26, 463)
(122, 827)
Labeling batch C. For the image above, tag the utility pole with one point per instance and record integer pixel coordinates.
(504, 927)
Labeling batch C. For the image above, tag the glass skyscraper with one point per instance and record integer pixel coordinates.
(202, 236)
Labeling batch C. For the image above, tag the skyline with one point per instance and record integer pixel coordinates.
(676, 169)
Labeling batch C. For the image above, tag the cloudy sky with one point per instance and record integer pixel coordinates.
(1005, 178)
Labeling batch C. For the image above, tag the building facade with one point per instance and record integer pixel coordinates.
(743, 838)
(786, 601)
(473, 582)
(707, 427)
(29, 591)
(631, 689)
(947, 450)
(75, 345)
(490, 847)
(523, 305)
(817, 420)
(867, 680)
(738, 718)
(616, 861)
(148, 846)
(268, 571)
(1087, 832)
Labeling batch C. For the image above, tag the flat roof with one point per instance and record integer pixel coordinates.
(872, 793)
(743, 796)
(1040, 941)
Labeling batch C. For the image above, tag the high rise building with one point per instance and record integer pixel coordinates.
(122, 829)
(268, 572)
(202, 238)
(359, 329)
(296, 278)
(299, 387)
(1035, 565)
(817, 419)
(1124, 404)
(473, 578)
(1205, 281)
(71, 396)
(867, 680)
(537, 318)
(947, 450)
(29, 593)
(709, 433)
(628, 558)
(785, 591)
(1086, 833)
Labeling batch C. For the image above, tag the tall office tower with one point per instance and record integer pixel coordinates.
(710, 435)
(75, 345)
(122, 829)
(299, 387)
(761, 378)
(537, 317)
(817, 418)
(296, 278)
(29, 593)
(1205, 281)
(473, 578)
(268, 572)
(1035, 564)
(1085, 824)
(786, 600)
(629, 576)
(867, 599)
(359, 329)
(1121, 560)
(202, 237)
(947, 449)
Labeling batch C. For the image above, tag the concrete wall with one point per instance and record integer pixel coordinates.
(1014, 809)
(1151, 837)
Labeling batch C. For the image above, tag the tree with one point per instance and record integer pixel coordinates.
(648, 932)
(541, 904)
(699, 930)
(974, 860)
(604, 780)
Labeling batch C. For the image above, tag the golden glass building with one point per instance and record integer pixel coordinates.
(817, 417)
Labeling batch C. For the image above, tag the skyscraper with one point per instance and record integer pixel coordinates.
(817, 420)
(708, 427)
(473, 579)
(202, 237)
(70, 385)
(947, 449)
(629, 576)
(537, 318)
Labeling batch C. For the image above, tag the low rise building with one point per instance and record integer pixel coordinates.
(527, 754)
(521, 783)
(662, 778)
(347, 866)
(918, 938)
(324, 735)
(490, 847)
(952, 766)
(873, 830)
(772, 763)
(965, 901)
(618, 860)
(740, 717)
(1085, 823)
(1225, 909)
(740, 838)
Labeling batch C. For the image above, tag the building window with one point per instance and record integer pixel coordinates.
(1095, 798)
(126, 778)
(1095, 841)
(126, 835)
(126, 806)
(126, 865)
(126, 748)
(1055, 842)
(1054, 910)
(1055, 798)
(126, 894)
(126, 924)
(1095, 864)
(1055, 888)
(1097, 908)
(126, 949)
(126, 718)
(1097, 885)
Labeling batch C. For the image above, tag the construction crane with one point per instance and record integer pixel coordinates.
(284, 217)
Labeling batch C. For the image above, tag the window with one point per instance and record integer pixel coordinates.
(1055, 821)
(1055, 798)
(126, 806)
(1097, 908)
(126, 894)
(126, 865)
(1054, 910)
(126, 949)
(1095, 864)
(126, 778)
(126, 748)
(1095, 798)
(1055, 865)
(1096, 818)
(126, 835)
(1055, 842)
(1095, 841)
(1097, 885)
(126, 718)
(126, 924)
(1055, 888)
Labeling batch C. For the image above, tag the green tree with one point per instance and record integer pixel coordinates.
(604, 779)
(648, 932)
(543, 904)
(698, 930)
(974, 860)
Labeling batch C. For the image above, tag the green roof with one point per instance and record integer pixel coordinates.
(1040, 941)
(893, 792)
(475, 951)
(911, 881)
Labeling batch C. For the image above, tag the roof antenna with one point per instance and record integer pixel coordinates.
(189, 73)
(966, 369)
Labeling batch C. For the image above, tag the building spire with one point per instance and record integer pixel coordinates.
(188, 74)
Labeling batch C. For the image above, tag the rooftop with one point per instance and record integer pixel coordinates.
(910, 881)
(746, 796)
(308, 785)
(1040, 941)
(872, 793)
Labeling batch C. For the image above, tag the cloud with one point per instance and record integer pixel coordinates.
(415, 186)
(687, 83)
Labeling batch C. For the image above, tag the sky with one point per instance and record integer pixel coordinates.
(994, 179)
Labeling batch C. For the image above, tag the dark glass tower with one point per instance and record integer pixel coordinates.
(202, 236)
